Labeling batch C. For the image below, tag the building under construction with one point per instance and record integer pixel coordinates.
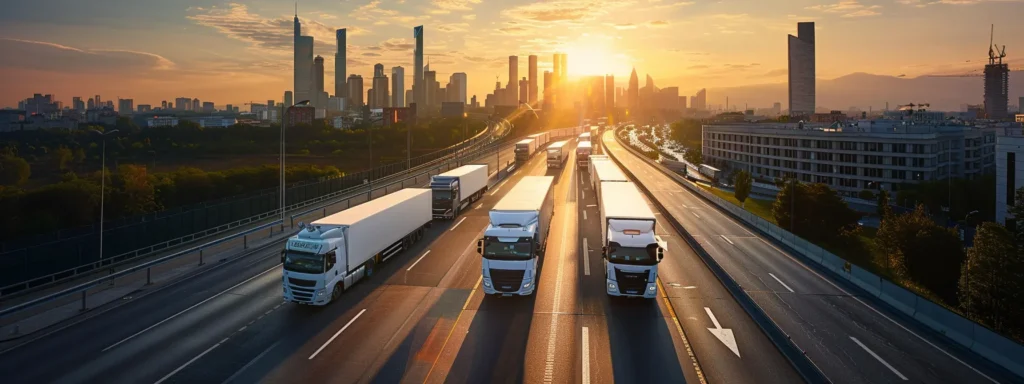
(997, 82)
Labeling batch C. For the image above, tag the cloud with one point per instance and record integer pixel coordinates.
(514, 31)
(469, 17)
(454, 5)
(46, 56)
(371, 54)
(453, 27)
(673, 5)
(925, 3)
(658, 24)
(562, 10)
(394, 44)
(848, 8)
(327, 16)
(625, 26)
(238, 23)
(775, 72)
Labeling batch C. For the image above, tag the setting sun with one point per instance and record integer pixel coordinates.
(591, 58)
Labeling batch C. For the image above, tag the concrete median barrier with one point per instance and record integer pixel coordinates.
(866, 280)
(1006, 353)
(898, 297)
(943, 321)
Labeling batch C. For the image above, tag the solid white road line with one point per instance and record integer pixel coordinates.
(499, 186)
(457, 224)
(586, 355)
(584, 214)
(586, 258)
(162, 379)
(188, 309)
(780, 281)
(591, 205)
(336, 334)
(417, 261)
(879, 358)
(727, 239)
(695, 214)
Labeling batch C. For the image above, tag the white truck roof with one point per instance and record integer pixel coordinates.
(584, 144)
(527, 195)
(525, 141)
(557, 145)
(608, 171)
(367, 209)
(585, 134)
(463, 170)
(624, 201)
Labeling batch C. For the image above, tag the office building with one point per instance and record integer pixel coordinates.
(125, 106)
(473, 103)
(163, 104)
(524, 91)
(302, 114)
(668, 98)
(196, 105)
(208, 107)
(336, 104)
(288, 99)
(1009, 171)
(431, 89)
(381, 95)
(355, 91)
(340, 63)
(853, 157)
(459, 81)
(633, 92)
(513, 73)
(418, 89)
(609, 93)
(318, 83)
(229, 108)
(453, 109)
(532, 72)
(161, 121)
(408, 97)
(1020, 104)
(801, 71)
(183, 104)
(303, 64)
(548, 87)
(77, 104)
(398, 87)
(997, 88)
(700, 100)
(142, 108)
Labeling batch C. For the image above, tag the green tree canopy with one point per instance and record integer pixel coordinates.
(60, 157)
(820, 214)
(14, 170)
(743, 183)
(915, 247)
(992, 281)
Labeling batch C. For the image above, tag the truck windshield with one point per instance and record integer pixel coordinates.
(632, 255)
(442, 195)
(303, 262)
(517, 250)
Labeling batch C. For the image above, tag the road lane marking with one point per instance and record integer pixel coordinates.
(679, 329)
(478, 206)
(586, 258)
(727, 239)
(591, 205)
(586, 355)
(457, 224)
(417, 261)
(454, 325)
(162, 379)
(584, 214)
(188, 309)
(879, 358)
(336, 335)
(499, 185)
(549, 361)
(723, 334)
(780, 282)
(250, 363)
(584, 195)
(695, 214)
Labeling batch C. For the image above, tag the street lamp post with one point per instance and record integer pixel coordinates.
(103, 179)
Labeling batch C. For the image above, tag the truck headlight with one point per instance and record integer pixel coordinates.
(526, 285)
(611, 286)
(321, 292)
(652, 288)
(487, 284)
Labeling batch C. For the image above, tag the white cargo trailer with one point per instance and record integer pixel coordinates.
(455, 189)
(525, 149)
(557, 152)
(631, 250)
(332, 253)
(605, 171)
(583, 151)
(517, 236)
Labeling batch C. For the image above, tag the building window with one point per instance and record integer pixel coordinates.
(901, 175)
(899, 148)
(918, 162)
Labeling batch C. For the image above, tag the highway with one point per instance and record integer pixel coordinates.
(850, 338)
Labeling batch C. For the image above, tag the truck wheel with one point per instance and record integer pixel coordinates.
(338, 288)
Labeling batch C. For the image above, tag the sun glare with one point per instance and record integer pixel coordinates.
(593, 59)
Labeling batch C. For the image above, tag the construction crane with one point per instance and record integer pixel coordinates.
(995, 57)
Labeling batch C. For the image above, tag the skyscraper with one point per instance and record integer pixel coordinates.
(513, 73)
(633, 92)
(419, 94)
(524, 90)
(532, 69)
(700, 100)
(303, 63)
(430, 88)
(340, 64)
(609, 92)
(397, 87)
(287, 99)
(458, 81)
(125, 106)
(997, 84)
(355, 91)
(77, 104)
(381, 98)
(318, 83)
(547, 90)
(801, 70)
(196, 105)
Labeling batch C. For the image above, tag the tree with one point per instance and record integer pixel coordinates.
(694, 156)
(915, 247)
(884, 210)
(743, 182)
(991, 287)
(135, 189)
(866, 194)
(60, 157)
(819, 214)
(14, 170)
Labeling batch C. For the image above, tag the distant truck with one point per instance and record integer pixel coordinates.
(583, 151)
(457, 188)
(585, 136)
(329, 255)
(710, 172)
(631, 250)
(516, 237)
(557, 154)
(542, 138)
(525, 149)
(605, 171)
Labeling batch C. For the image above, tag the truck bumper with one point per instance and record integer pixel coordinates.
(612, 287)
(525, 289)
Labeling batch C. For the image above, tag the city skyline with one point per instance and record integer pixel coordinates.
(732, 49)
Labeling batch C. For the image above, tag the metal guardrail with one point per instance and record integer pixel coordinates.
(83, 287)
(120, 259)
(796, 356)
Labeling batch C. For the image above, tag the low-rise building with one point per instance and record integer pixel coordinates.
(162, 121)
(1009, 170)
(869, 154)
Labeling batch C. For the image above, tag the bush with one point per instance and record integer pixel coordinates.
(866, 194)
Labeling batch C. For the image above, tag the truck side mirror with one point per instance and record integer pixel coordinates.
(661, 253)
(480, 246)
(282, 256)
(604, 252)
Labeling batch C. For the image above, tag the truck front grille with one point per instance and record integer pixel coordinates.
(507, 280)
(631, 283)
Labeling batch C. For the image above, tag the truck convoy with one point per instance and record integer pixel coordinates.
(329, 255)
(525, 149)
(605, 171)
(583, 151)
(585, 136)
(557, 154)
(542, 138)
(457, 188)
(516, 237)
(631, 250)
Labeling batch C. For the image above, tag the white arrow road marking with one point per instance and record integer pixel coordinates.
(723, 334)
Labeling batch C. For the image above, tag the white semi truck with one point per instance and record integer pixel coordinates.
(583, 151)
(557, 154)
(605, 171)
(631, 250)
(329, 255)
(516, 237)
(455, 189)
(585, 136)
(525, 149)
(541, 138)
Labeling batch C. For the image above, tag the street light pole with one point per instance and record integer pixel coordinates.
(103, 180)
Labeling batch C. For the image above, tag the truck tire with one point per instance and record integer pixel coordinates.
(338, 288)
